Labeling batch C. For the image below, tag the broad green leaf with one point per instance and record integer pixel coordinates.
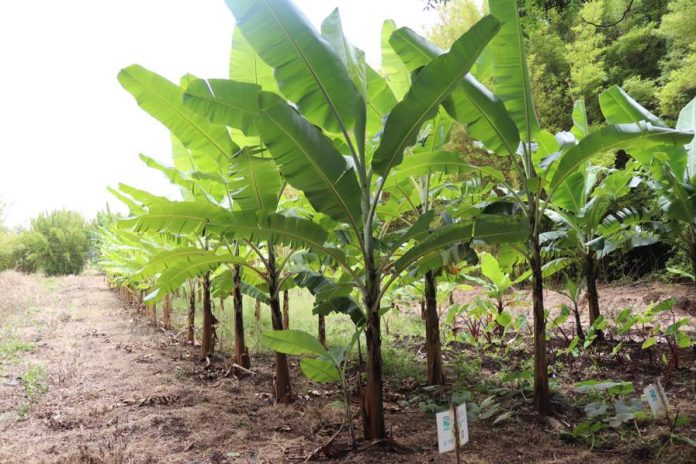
(293, 232)
(510, 74)
(416, 231)
(397, 74)
(141, 196)
(309, 162)
(175, 217)
(445, 162)
(295, 342)
(163, 100)
(354, 61)
(307, 70)
(619, 108)
(255, 182)
(189, 267)
(570, 195)
(580, 125)
(639, 136)
(329, 296)
(494, 229)
(435, 82)
(166, 259)
(472, 104)
(380, 101)
(352, 58)
(687, 122)
(504, 319)
(320, 370)
(437, 240)
(491, 269)
(234, 104)
(247, 66)
(209, 191)
(133, 207)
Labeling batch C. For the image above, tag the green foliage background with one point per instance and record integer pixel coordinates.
(650, 53)
(57, 243)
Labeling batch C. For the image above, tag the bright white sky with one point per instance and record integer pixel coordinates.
(68, 128)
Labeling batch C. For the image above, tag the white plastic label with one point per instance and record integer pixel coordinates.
(657, 400)
(445, 428)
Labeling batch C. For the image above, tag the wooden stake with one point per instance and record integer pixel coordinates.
(456, 433)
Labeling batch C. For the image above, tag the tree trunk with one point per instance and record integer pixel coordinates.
(433, 349)
(322, 330)
(241, 353)
(192, 314)
(542, 399)
(592, 294)
(283, 389)
(374, 406)
(286, 310)
(167, 312)
(578, 324)
(153, 313)
(257, 311)
(209, 321)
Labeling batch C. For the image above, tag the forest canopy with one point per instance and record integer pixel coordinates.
(577, 49)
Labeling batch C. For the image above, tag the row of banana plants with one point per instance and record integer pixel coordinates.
(310, 168)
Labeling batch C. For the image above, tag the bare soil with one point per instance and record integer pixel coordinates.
(119, 389)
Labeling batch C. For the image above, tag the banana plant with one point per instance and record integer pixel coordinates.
(671, 169)
(325, 366)
(505, 122)
(326, 133)
(588, 228)
(417, 184)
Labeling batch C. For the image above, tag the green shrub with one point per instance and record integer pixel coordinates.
(57, 243)
(9, 242)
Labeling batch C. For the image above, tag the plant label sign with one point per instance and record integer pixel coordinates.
(445, 428)
(657, 399)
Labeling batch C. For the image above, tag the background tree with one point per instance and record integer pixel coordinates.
(58, 243)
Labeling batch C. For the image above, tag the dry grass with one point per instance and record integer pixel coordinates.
(18, 292)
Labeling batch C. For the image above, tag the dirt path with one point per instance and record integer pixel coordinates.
(84, 380)
(112, 393)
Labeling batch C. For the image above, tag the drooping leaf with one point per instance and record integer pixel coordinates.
(472, 104)
(309, 162)
(320, 370)
(190, 266)
(330, 296)
(175, 217)
(638, 136)
(437, 240)
(163, 100)
(445, 162)
(255, 182)
(295, 342)
(619, 108)
(435, 82)
(234, 104)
